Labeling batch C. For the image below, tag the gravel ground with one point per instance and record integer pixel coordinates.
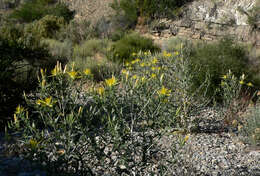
(211, 151)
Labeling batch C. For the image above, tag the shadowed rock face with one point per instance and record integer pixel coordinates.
(210, 19)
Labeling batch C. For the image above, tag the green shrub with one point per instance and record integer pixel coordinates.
(62, 51)
(214, 60)
(17, 73)
(124, 48)
(128, 11)
(77, 31)
(102, 130)
(90, 48)
(117, 35)
(250, 128)
(37, 9)
(45, 27)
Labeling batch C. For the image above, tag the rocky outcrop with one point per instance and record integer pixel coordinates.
(211, 19)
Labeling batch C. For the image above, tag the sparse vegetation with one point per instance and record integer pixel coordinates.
(124, 48)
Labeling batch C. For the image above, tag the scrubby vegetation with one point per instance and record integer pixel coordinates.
(87, 102)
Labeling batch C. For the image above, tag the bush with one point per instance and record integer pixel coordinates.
(62, 51)
(35, 10)
(15, 58)
(250, 129)
(90, 48)
(105, 130)
(45, 27)
(151, 9)
(77, 31)
(217, 59)
(124, 48)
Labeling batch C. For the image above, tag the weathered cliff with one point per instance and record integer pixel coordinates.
(211, 19)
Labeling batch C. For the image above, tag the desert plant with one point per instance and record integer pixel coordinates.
(62, 51)
(216, 59)
(90, 48)
(150, 9)
(110, 129)
(45, 27)
(77, 31)
(35, 10)
(250, 129)
(122, 50)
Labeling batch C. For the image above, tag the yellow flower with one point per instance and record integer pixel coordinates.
(46, 102)
(176, 53)
(100, 90)
(87, 71)
(127, 64)
(145, 53)
(19, 109)
(33, 143)
(224, 77)
(155, 61)
(135, 61)
(57, 69)
(133, 54)
(156, 68)
(43, 72)
(186, 138)
(124, 71)
(15, 118)
(153, 75)
(143, 79)
(54, 72)
(164, 92)
(249, 84)
(142, 64)
(111, 82)
(241, 82)
(134, 77)
(165, 54)
(73, 75)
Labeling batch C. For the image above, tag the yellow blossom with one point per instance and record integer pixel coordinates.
(46, 102)
(155, 61)
(73, 74)
(135, 61)
(19, 109)
(186, 138)
(15, 118)
(165, 54)
(33, 143)
(249, 84)
(127, 64)
(110, 82)
(164, 92)
(142, 64)
(87, 71)
(241, 82)
(134, 76)
(143, 79)
(176, 53)
(224, 77)
(57, 69)
(133, 54)
(100, 90)
(153, 75)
